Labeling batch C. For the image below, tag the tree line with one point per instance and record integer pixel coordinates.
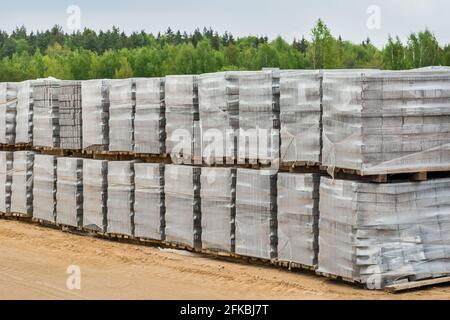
(89, 54)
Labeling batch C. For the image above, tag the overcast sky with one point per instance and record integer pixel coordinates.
(288, 18)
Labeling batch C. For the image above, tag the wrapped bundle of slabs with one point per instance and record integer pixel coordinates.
(382, 234)
(121, 197)
(8, 106)
(256, 213)
(219, 115)
(182, 119)
(22, 183)
(259, 112)
(387, 122)
(149, 202)
(298, 218)
(69, 99)
(95, 194)
(150, 120)
(218, 194)
(183, 205)
(122, 99)
(46, 113)
(95, 114)
(44, 188)
(300, 116)
(24, 114)
(6, 165)
(69, 192)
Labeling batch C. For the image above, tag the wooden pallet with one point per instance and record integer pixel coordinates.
(294, 266)
(340, 278)
(412, 285)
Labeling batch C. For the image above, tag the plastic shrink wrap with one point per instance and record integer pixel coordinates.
(44, 188)
(95, 194)
(8, 109)
(46, 113)
(24, 114)
(22, 183)
(70, 117)
(6, 164)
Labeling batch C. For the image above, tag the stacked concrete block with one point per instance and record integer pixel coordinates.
(95, 194)
(8, 109)
(46, 113)
(22, 183)
(298, 218)
(150, 120)
(183, 140)
(218, 199)
(300, 116)
(95, 114)
(24, 113)
(121, 197)
(122, 97)
(387, 122)
(70, 129)
(69, 192)
(44, 188)
(183, 205)
(256, 213)
(219, 115)
(149, 202)
(6, 165)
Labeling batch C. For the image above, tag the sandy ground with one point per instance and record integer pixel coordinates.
(34, 262)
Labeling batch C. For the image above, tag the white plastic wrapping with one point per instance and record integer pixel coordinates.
(298, 218)
(387, 122)
(6, 163)
(69, 192)
(8, 109)
(149, 120)
(300, 116)
(183, 205)
(44, 188)
(95, 114)
(121, 197)
(24, 114)
(22, 183)
(69, 115)
(95, 194)
(256, 213)
(381, 233)
(149, 202)
(122, 97)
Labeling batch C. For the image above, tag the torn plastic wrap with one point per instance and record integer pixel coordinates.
(183, 205)
(379, 234)
(149, 202)
(298, 218)
(121, 197)
(259, 117)
(69, 192)
(22, 183)
(183, 141)
(95, 114)
(44, 188)
(6, 165)
(218, 195)
(256, 213)
(300, 116)
(95, 194)
(24, 114)
(8, 109)
(122, 97)
(387, 122)
(219, 116)
(150, 120)
(70, 118)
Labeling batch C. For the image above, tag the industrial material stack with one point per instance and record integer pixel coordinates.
(44, 187)
(6, 164)
(70, 118)
(95, 195)
(24, 114)
(8, 109)
(46, 113)
(22, 183)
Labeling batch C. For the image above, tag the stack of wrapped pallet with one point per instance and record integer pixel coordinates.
(44, 188)
(69, 103)
(24, 114)
(8, 107)
(22, 183)
(95, 114)
(150, 121)
(69, 192)
(183, 205)
(6, 164)
(219, 113)
(95, 194)
(218, 206)
(46, 113)
(300, 117)
(183, 119)
(149, 202)
(122, 98)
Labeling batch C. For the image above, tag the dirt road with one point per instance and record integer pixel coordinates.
(34, 262)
